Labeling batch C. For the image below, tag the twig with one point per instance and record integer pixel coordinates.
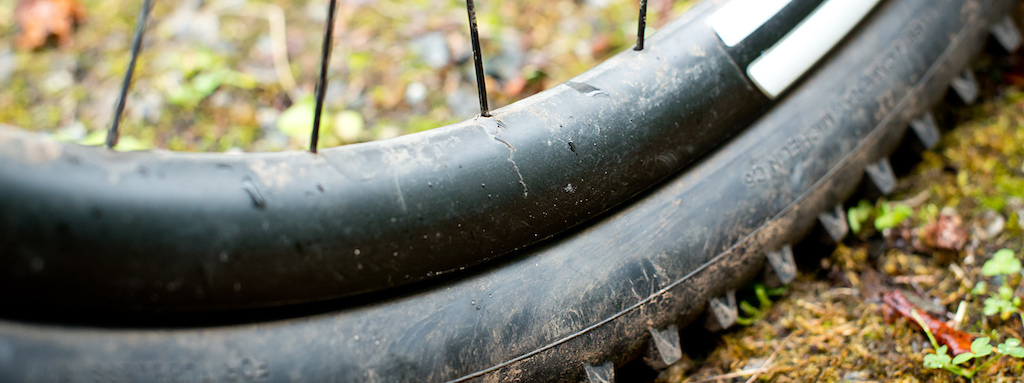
(279, 48)
(961, 313)
(917, 199)
(961, 275)
(911, 279)
(730, 375)
(811, 307)
(278, 39)
(754, 372)
(839, 291)
(767, 363)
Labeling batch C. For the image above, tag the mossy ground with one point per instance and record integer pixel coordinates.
(829, 328)
(211, 76)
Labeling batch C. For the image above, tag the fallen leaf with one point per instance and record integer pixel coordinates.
(600, 45)
(946, 233)
(958, 341)
(515, 86)
(41, 19)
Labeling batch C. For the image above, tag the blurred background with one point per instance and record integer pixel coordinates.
(237, 75)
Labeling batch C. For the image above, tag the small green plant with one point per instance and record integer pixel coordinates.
(858, 215)
(980, 349)
(201, 73)
(1003, 303)
(887, 215)
(1012, 348)
(764, 304)
(891, 214)
(1005, 264)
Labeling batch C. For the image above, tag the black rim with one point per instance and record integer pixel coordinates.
(226, 232)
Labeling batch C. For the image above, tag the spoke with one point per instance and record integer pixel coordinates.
(641, 25)
(481, 87)
(140, 29)
(321, 85)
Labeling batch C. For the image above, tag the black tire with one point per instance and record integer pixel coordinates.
(593, 295)
(182, 232)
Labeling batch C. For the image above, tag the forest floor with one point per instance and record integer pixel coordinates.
(239, 75)
(949, 240)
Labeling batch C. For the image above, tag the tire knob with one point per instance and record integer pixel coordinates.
(665, 348)
(926, 130)
(881, 175)
(604, 373)
(1007, 34)
(835, 223)
(723, 312)
(782, 264)
(966, 86)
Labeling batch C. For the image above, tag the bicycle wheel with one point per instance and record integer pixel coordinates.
(593, 298)
(228, 232)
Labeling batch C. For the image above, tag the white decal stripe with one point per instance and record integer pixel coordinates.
(739, 18)
(789, 58)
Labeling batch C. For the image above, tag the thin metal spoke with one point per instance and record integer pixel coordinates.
(481, 86)
(641, 25)
(321, 85)
(140, 29)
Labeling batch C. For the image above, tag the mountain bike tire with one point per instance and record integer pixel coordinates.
(162, 231)
(575, 308)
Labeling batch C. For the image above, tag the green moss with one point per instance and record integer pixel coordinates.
(372, 56)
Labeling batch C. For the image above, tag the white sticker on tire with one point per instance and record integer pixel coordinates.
(739, 18)
(801, 48)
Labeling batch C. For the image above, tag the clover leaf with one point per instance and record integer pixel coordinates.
(995, 305)
(1003, 262)
(1011, 347)
(960, 359)
(937, 360)
(981, 347)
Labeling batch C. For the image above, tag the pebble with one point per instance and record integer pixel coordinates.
(507, 64)
(146, 105)
(58, 81)
(988, 225)
(857, 376)
(188, 22)
(432, 49)
(267, 118)
(7, 63)
(415, 93)
(463, 101)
